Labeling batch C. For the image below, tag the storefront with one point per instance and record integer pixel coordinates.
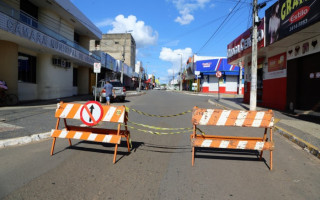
(298, 66)
(210, 83)
(288, 59)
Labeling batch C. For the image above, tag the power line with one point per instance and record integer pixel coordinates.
(219, 27)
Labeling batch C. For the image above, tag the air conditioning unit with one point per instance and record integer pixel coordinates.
(56, 61)
(63, 63)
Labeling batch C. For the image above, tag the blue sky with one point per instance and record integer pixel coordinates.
(163, 29)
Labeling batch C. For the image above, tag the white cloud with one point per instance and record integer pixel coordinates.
(104, 23)
(186, 9)
(142, 34)
(174, 58)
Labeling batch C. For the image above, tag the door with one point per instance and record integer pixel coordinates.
(213, 84)
(231, 83)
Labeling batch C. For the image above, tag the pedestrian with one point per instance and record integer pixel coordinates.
(109, 91)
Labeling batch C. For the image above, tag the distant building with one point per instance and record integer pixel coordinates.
(44, 48)
(116, 45)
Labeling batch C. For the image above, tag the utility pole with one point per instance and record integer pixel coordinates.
(253, 90)
(180, 72)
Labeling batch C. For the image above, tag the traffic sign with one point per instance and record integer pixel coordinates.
(96, 67)
(218, 74)
(91, 113)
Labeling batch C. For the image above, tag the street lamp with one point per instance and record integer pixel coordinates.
(123, 54)
(180, 72)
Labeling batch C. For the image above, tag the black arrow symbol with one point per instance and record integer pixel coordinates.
(91, 110)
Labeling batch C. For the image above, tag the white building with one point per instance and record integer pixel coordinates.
(44, 48)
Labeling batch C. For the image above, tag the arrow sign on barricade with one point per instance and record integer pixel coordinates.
(91, 113)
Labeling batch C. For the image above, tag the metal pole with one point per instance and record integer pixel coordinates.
(253, 91)
(139, 80)
(181, 73)
(95, 89)
(219, 89)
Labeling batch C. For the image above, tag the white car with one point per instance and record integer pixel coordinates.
(119, 90)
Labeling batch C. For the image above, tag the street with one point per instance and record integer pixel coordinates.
(158, 167)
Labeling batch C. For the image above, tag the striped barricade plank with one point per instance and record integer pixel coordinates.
(114, 139)
(232, 144)
(218, 117)
(232, 118)
(72, 111)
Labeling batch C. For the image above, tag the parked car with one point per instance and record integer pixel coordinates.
(119, 90)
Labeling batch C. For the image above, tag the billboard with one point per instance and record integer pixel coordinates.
(286, 17)
(241, 46)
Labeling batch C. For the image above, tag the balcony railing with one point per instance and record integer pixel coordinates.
(30, 21)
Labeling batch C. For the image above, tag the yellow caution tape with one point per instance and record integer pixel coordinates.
(158, 133)
(156, 127)
(151, 115)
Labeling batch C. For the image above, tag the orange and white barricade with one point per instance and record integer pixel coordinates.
(232, 118)
(87, 114)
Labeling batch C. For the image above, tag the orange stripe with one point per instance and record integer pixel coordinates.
(214, 117)
(115, 139)
(116, 116)
(197, 114)
(251, 144)
(56, 133)
(266, 119)
(73, 111)
(249, 119)
(105, 110)
(99, 138)
(232, 117)
(71, 134)
(85, 135)
(60, 110)
(233, 144)
(215, 143)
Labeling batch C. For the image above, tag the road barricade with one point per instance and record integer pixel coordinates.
(105, 113)
(232, 118)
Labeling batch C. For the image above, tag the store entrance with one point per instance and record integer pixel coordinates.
(303, 78)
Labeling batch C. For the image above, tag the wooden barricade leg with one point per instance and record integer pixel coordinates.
(116, 147)
(127, 134)
(66, 125)
(54, 139)
(271, 149)
(52, 147)
(193, 148)
(264, 139)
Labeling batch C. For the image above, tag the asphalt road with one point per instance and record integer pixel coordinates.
(159, 166)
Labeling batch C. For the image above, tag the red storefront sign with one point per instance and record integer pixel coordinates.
(242, 45)
(278, 62)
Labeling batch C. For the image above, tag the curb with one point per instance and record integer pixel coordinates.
(290, 136)
(24, 140)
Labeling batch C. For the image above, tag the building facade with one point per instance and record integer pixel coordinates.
(117, 45)
(44, 48)
(288, 58)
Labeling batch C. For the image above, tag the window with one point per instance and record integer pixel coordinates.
(75, 77)
(29, 13)
(27, 68)
(76, 37)
(97, 43)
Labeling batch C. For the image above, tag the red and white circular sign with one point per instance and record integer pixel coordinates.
(91, 113)
(218, 74)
